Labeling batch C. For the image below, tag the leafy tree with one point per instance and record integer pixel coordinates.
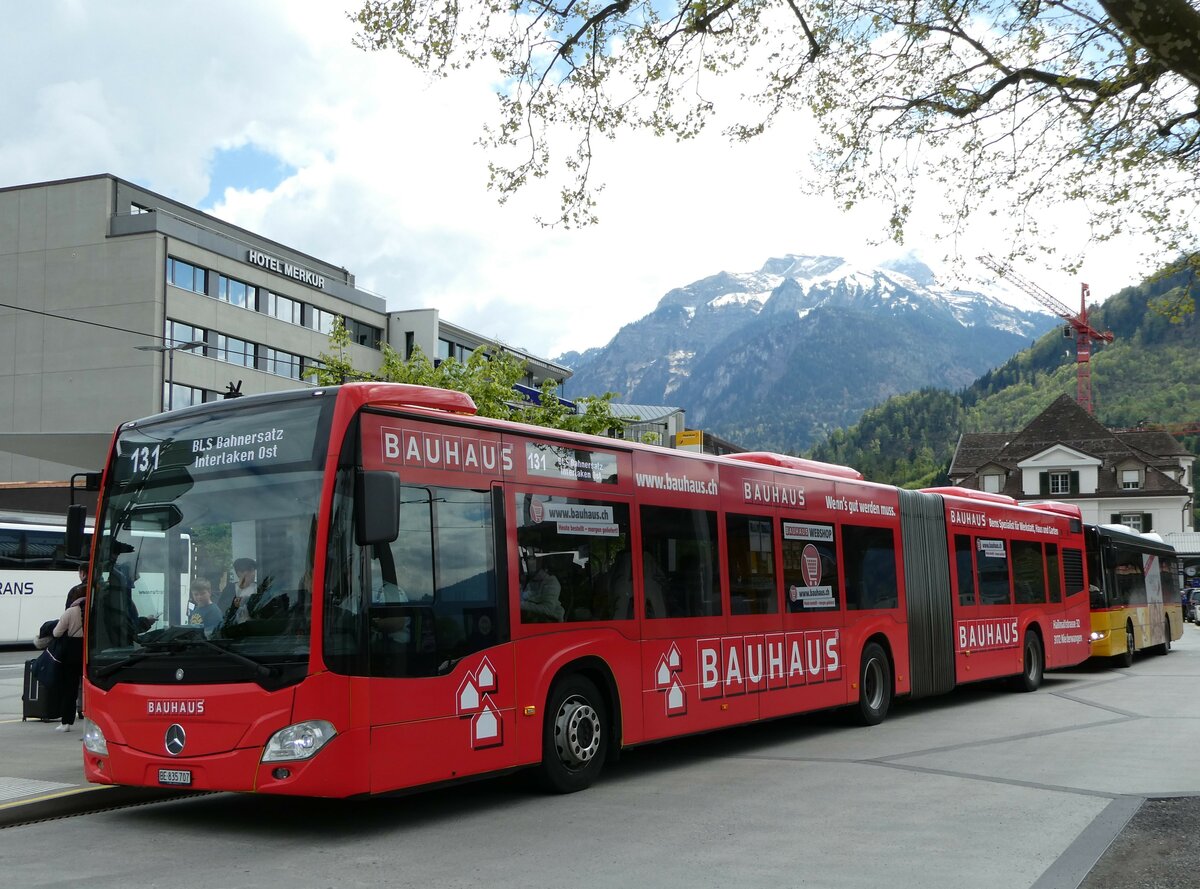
(488, 376)
(1047, 100)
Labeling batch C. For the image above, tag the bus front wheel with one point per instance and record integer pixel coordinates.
(574, 737)
(1033, 664)
(874, 686)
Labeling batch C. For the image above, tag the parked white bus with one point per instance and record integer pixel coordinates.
(35, 575)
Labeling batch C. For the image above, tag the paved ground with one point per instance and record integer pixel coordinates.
(1088, 782)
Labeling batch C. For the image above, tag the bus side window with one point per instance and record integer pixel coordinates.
(679, 557)
(870, 563)
(995, 587)
(752, 588)
(964, 567)
(1029, 572)
(1052, 572)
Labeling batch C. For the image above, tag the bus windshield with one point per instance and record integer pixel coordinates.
(206, 543)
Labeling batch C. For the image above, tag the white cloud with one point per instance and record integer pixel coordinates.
(389, 180)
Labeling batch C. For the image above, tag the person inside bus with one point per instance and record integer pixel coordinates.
(204, 612)
(235, 598)
(540, 591)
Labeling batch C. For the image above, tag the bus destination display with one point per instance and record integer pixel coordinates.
(570, 464)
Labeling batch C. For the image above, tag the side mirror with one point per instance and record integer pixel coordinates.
(76, 531)
(376, 507)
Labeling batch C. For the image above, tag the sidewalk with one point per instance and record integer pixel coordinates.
(41, 770)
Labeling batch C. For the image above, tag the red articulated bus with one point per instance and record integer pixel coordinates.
(424, 596)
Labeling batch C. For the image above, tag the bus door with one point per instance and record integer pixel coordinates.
(1154, 625)
(442, 689)
(693, 677)
(813, 642)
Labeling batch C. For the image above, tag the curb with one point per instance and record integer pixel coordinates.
(81, 801)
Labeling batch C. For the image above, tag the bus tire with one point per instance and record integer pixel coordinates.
(574, 736)
(1033, 663)
(874, 686)
(1126, 659)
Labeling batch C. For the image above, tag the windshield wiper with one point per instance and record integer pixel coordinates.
(109, 669)
(177, 646)
(267, 672)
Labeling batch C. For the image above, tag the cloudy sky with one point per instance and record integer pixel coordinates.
(262, 113)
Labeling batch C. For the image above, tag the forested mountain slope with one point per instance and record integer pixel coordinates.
(1149, 374)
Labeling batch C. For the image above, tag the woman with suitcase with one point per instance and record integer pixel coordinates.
(68, 647)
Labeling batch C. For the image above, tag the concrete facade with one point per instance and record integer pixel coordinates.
(91, 269)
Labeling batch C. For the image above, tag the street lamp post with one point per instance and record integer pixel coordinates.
(171, 350)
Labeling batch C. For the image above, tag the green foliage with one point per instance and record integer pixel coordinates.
(488, 376)
(1148, 375)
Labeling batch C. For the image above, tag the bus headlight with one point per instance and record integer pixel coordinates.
(1097, 636)
(299, 741)
(93, 739)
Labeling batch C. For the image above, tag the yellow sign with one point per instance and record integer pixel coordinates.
(689, 438)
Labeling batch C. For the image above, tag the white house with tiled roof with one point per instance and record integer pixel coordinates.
(1139, 479)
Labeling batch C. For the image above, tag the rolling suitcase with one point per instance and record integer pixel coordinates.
(35, 699)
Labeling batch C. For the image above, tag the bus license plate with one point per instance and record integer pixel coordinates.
(181, 777)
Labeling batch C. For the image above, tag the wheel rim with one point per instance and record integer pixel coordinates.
(872, 684)
(1129, 640)
(577, 732)
(1033, 662)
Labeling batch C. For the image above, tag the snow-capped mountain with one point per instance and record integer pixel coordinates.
(777, 357)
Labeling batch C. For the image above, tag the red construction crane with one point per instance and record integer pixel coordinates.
(1085, 334)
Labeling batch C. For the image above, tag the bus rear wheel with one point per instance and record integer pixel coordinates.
(1165, 648)
(1126, 659)
(574, 737)
(874, 686)
(1033, 664)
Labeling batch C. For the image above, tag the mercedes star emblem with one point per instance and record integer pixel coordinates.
(175, 739)
(179, 675)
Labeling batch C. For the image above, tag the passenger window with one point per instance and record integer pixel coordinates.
(869, 557)
(1029, 572)
(964, 568)
(1052, 578)
(679, 562)
(992, 562)
(751, 546)
(574, 559)
(810, 577)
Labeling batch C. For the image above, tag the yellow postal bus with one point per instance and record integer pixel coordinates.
(1134, 580)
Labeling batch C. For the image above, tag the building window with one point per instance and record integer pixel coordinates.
(1132, 520)
(991, 483)
(237, 293)
(235, 351)
(308, 365)
(1060, 483)
(179, 333)
(284, 308)
(363, 334)
(320, 320)
(1131, 479)
(176, 396)
(283, 364)
(185, 275)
